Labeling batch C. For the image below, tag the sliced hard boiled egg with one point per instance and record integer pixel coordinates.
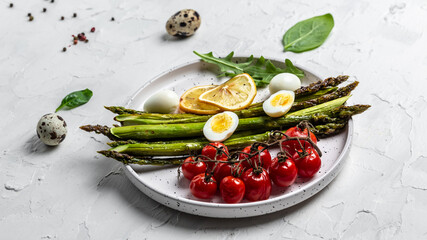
(221, 126)
(279, 103)
(284, 81)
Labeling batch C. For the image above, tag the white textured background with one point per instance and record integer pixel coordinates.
(70, 192)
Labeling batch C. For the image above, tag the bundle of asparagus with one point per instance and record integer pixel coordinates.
(147, 138)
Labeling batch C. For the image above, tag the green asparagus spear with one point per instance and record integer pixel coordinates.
(187, 140)
(176, 149)
(314, 87)
(316, 94)
(122, 110)
(341, 92)
(128, 159)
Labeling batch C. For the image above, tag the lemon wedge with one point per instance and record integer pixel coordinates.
(235, 94)
(190, 103)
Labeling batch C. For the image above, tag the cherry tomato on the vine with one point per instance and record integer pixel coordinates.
(223, 170)
(283, 173)
(210, 151)
(257, 184)
(307, 165)
(190, 168)
(292, 146)
(232, 189)
(264, 156)
(203, 186)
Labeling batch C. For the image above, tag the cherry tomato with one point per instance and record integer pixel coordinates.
(223, 170)
(203, 186)
(257, 184)
(232, 189)
(308, 165)
(190, 168)
(283, 174)
(265, 158)
(210, 152)
(293, 146)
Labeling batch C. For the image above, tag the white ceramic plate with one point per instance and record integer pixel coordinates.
(163, 185)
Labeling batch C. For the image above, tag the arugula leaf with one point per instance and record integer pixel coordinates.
(308, 34)
(75, 99)
(262, 70)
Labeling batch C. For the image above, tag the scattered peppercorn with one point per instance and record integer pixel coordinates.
(11, 5)
(62, 18)
(87, 40)
(75, 41)
(29, 14)
(64, 49)
(31, 18)
(52, 1)
(44, 9)
(81, 36)
(112, 19)
(74, 15)
(92, 29)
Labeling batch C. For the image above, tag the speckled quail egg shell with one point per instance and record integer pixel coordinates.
(51, 129)
(183, 23)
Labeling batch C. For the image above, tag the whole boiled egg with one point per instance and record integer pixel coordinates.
(164, 101)
(284, 81)
(279, 103)
(221, 126)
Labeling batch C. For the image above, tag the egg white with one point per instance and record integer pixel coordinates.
(284, 81)
(219, 137)
(278, 111)
(164, 101)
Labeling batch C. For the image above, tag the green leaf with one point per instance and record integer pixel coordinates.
(292, 69)
(262, 71)
(75, 99)
(308, 34)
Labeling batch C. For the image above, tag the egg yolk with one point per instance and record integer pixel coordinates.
(221, 123)
(280, 100)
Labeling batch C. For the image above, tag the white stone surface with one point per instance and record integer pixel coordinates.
(70, 192)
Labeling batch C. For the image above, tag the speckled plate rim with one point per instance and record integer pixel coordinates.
(329, 176)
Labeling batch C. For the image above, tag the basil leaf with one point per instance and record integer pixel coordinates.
(308, 34)
(75, 99)
(262, 71)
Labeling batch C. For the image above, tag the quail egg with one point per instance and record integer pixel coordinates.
(165, 101)
(183, 23)
(279, 103)
(221, 126)
(51, 129)
(284, 81)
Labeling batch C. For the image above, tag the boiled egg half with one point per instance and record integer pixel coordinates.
(221, 126)
(279, 103)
